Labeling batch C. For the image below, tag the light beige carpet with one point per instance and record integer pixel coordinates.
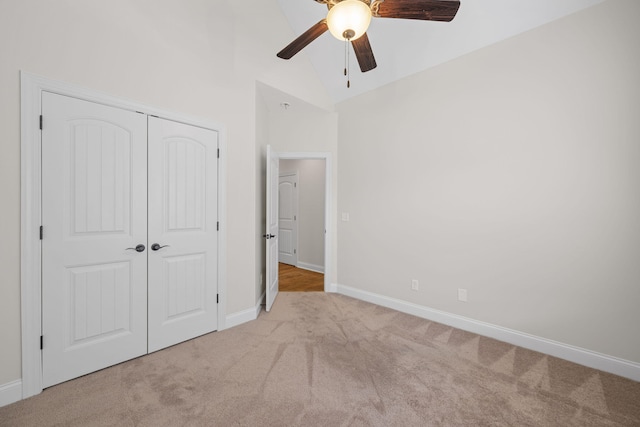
(328, 360)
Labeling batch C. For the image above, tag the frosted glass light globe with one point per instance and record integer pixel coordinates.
(349, 19)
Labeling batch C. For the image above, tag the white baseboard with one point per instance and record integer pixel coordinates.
(261, 301)
(10, 392)
(244, 316)
(240, 317)
(333, 288)
(311, 267)
(603, 362)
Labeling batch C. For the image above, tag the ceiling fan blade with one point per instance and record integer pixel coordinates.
(362, 48)
(426, 10)
(303, 40)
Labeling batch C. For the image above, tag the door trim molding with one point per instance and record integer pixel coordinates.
(31, 88)
(328, 187)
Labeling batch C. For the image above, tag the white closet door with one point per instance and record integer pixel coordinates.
(183, 237)
(94, 193)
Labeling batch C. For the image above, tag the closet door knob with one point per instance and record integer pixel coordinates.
(139, 248)
(157, 246)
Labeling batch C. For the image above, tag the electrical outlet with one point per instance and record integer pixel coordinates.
(462, 295)
(415, 285)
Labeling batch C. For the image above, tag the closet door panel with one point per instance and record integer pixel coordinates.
(94, 193)
(183, 204)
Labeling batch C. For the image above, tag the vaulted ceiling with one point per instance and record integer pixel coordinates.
(403, 47)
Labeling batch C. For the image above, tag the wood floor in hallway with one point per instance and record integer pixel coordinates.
(293, 279)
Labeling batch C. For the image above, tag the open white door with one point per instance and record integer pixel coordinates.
(271, 236)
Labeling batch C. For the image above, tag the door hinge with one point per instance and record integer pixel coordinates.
(295, 251)
(40, 121)
(295, 217)
(41, 342)
(217, 298)
(295, 185)
(218, 226)
(41, 232)
(218, 153)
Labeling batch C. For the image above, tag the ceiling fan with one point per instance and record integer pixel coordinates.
(348, 20)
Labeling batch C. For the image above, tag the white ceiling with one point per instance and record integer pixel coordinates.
(403, 47)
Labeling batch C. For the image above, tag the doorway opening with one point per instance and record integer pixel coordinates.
(301, 200)
(272, 223)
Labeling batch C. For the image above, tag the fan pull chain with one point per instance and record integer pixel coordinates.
(346, 61)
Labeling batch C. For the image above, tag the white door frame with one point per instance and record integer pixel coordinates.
(31, 88)
(326, 156)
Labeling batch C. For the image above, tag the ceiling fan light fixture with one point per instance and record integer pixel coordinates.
(349, 19)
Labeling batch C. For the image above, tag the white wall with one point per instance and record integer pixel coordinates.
(311, 186)
(194, 57)
(512, 172)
